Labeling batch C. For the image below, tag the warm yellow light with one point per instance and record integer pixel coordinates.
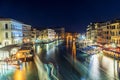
(19, 75)
(18, 55)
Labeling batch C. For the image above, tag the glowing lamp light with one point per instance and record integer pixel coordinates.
(28, 40)
(17, 55)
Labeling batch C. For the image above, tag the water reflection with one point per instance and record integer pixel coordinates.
(5, 69)
(103, 67)
(94, 73)
(48, 55)
(38, 49)
(109, 65)
(98, 66)
(47, 47)
(118, 68)
(69, 43)
(74, 50)
(19, 75)
(27, 72)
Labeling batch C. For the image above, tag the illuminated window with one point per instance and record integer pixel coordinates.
(6, 26)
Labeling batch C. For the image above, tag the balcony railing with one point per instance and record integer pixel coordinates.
(16, 29)
(16, 36)
(11, 30)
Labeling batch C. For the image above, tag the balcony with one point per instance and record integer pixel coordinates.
(11, 29)
(16, 36)
(14, 29)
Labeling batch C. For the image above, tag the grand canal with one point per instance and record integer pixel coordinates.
(68, 62)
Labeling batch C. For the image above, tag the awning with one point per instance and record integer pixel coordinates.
(9, 47)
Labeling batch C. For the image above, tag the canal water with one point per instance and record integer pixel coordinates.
(27, 71)
(71, 64)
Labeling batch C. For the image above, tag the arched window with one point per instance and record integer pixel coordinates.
(6, 35)
(6, 26)
(113, 34)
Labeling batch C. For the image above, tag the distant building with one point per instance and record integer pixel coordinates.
(27, 33)
(60, 32)
(115, 32)
(104, 38)
(11, 32)
(111, 32)
(35, 35)
(47, 35)
(104, 32)
(92, 32)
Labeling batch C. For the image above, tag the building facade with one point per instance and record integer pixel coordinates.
(47, 35)
(11, 32)
(27, 33)
(60, 33)
(92, 32)
(105, 32)
(35, 35)
(115, 32)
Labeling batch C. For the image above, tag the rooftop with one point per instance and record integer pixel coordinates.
(9, 19)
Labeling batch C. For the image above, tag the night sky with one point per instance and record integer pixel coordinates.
(73, 15)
